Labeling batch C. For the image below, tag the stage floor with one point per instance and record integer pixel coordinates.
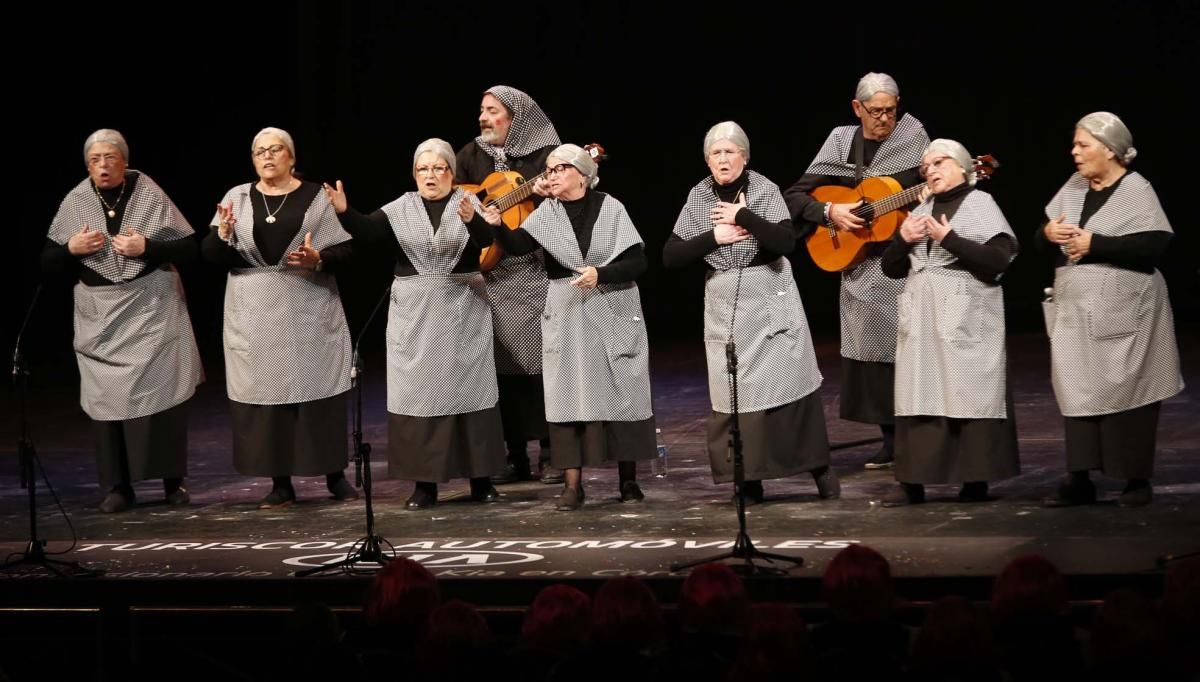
(222, 540)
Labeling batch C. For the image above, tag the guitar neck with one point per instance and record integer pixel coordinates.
(893, 202)
(516, 196)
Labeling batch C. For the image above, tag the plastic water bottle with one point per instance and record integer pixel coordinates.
(658, 465)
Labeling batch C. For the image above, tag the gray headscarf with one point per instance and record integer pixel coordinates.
(574, 155)
(873, 83)
(110, 136)
(956, 151)
(1111, 130)
(440, 147)
(727, 130)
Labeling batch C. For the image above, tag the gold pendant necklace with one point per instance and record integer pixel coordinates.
(112, 210)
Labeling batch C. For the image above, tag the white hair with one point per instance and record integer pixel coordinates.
(437, 146)
(727, 130)
(574, 155)
(956, 151)
(108, 136)
(281, 134)
(873, 83)
(1111, 130)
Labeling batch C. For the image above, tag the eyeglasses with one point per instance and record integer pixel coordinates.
(272, 151)
(722, 153)
(878, 113)
(926, 167)
(560, 168)
(106, 158)
(435, 170)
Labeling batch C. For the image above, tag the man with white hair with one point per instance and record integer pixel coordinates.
(120, 235)
(514, 134)
(882, 144)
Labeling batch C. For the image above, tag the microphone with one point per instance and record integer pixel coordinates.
(16, 354)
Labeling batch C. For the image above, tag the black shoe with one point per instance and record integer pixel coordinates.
(570, 499)
(342, 490)
(117, 500)
(421, 499)
(278, 498)
(828, 485)
(906, 494)
(482, 490)
(752, 492)
(179, 497)
(1072, 493)
(550, 475)
(974, 491)
(517, 469)
(1136, 494)
(631, 492)
(884, 459)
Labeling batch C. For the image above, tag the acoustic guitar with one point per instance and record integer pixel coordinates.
(884, 201)
(511, 194)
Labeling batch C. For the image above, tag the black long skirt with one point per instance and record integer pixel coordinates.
(951, 450)
(437, 449)
(868, 392)
(577, 444)
(298, 439)
(1120, 444)
(522, 407)
(776, 442)
(154, 446)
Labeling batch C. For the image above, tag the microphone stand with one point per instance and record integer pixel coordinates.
(743, 547)
(35, 550)
(368, 549)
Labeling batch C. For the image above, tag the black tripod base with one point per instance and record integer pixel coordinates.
(35, 555)
(368, 552)
(744, 550)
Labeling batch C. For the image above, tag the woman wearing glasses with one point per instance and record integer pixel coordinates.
(1112, 334)
(287, 347)
(736, 222)
(954, 413)
(594, 349)
(443, 421)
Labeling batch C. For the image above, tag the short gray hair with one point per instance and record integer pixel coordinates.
(437, 146)
(1111, 130)
(108, 136)
(574, 155)
(727, 130)
(956, 151)
(873, 83)
(277, 132)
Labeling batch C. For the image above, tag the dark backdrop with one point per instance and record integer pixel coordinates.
(359, 85)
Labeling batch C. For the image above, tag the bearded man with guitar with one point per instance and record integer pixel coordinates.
(515, 135)
(883, 147)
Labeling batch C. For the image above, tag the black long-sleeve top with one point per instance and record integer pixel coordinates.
(1141, 251)
(985, 262)
(774, 239)
(583, 212)
(57, 258)
(375, 230)
(273, 239)
(807, 212)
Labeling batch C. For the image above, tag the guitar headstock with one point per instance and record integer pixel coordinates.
(596, 151)
(985, 166)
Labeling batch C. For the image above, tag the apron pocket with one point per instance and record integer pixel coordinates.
(1049, 311)
(959, 318)
(1112, 319)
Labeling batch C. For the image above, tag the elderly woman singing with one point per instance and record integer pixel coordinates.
(120, 235)
(736, 222)
(287, 347)
(443, 419)
(1113, 353)
(594, 348)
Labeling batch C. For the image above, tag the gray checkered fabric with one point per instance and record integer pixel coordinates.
(439, 332)
(776, 362)
(529, 131)
(950, 350)
(149, 210)
(867, 297)
(285, 333)
(1112, 333)
(595, 355)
